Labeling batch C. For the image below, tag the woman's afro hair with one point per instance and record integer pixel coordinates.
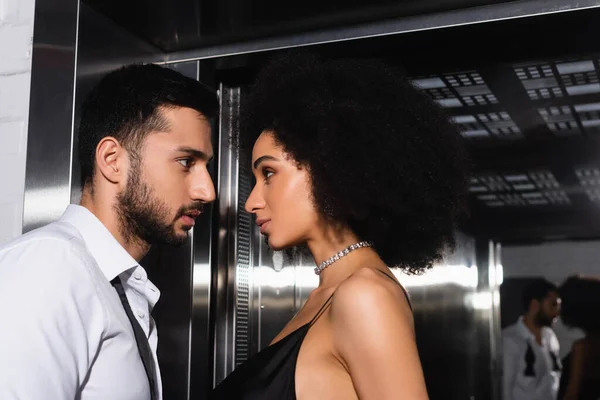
(383, 157)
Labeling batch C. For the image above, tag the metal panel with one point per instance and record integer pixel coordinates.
(48, 177)
(496, 276)
(257, 291)
(282, 285)
(442, 300)
(275, 282)
(244, 270)
(459, 298)
(191, 69)
(102, 47)
(469, 16)
(68, 57)
(199, 372)
(183, 24)
(205, 245)
(225, 281)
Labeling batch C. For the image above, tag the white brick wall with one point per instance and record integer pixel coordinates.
(553, 260)
(16, 33)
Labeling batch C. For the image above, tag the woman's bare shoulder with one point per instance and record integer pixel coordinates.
(368, 293)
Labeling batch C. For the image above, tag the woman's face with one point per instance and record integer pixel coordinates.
(281, 198)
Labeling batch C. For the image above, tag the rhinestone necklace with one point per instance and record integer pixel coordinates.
(345, 252)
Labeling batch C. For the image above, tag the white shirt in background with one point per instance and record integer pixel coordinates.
(544, 383)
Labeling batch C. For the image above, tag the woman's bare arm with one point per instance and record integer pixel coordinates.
(374, 337)
(577, 359)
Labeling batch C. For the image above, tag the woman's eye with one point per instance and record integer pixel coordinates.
(267, 173)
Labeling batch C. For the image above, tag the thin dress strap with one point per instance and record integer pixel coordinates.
(321, 310)
(401, 287)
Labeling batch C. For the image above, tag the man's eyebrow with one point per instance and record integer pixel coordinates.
(195, 153)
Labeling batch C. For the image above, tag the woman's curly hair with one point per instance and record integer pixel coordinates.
(383, 158)
(580, 306)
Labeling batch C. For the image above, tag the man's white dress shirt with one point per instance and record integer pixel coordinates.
(542, 381)
(63, 331)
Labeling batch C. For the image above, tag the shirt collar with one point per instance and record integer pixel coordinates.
(111, 257)
(524, 330)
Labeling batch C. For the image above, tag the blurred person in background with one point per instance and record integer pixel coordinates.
(581, 309)
(530, 348)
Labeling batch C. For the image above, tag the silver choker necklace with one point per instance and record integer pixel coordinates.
(345, 252)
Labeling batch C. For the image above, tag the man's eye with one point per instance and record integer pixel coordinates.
(185, 162)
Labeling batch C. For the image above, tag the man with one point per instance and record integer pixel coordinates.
(74, 302)
(531, 350)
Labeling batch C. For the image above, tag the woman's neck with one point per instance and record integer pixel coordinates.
(345, 266)
(330, 240)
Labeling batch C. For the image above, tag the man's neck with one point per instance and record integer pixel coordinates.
(107, 215)
(534, 328)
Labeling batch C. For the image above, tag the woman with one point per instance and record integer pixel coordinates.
(580, 308)
(355, 164)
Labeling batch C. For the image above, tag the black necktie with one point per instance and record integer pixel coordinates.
(529, 361)
(140, 338)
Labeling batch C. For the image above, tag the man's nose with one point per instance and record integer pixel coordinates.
(203, 188)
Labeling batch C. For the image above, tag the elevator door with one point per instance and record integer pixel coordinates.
(256, 290)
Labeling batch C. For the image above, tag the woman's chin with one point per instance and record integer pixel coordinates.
(274, 244)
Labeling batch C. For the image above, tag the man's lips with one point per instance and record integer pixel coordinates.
(193, 213)
(189, 217)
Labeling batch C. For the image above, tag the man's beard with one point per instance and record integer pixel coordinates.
(543, 320)
(143, 216)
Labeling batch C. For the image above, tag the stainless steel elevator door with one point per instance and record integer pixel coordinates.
(258, 290)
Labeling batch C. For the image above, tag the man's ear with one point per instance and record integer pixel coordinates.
(111, 160)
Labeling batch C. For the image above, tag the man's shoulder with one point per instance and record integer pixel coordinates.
(549, 334)
(512, 334)
(510, 329)
(57, 244)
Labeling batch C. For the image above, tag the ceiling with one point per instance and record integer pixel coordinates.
(176, 25)
(525, 94)
(527, 101)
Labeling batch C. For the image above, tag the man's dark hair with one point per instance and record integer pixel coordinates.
(537, 290)
(126, 105)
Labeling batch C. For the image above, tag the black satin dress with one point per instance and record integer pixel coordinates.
(270, 374)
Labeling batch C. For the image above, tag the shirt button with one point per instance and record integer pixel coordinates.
(137, 276)
(141, 314)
